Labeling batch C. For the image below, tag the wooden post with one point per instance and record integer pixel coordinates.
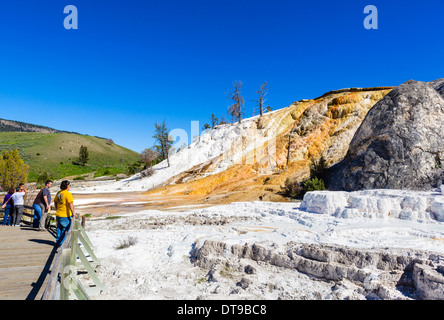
(75, 230)
(65, 276)
(83, 222)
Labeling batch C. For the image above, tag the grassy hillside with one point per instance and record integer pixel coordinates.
(56, 152)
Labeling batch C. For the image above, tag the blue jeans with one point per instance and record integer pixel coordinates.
(7, 219)
(63, 225)
(37, 215)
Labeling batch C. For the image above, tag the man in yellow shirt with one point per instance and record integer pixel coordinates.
(64, 203)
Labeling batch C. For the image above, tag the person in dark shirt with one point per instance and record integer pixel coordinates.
(42, 205)
(7, 219)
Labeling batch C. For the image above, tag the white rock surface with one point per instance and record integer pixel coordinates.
(159, 265)
(408, 205)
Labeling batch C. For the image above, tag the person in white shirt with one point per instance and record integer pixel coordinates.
(19, 205)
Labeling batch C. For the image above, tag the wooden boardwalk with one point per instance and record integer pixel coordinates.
(25, 260)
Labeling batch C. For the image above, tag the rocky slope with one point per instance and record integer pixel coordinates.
(399, 144)
(248, 161)
(17, 126)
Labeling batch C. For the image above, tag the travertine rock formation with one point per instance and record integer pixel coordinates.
(248, 161)
(377, 273)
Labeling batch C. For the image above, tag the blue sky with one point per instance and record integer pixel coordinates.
(133, 63)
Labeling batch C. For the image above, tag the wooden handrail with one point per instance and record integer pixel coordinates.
(50, 292)
(66, 265)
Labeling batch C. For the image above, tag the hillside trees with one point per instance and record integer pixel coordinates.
(13, 169)
(237, 109)
(214, 123)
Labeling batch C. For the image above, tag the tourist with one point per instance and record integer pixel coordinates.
(64, 203)
(41, 206)
(8, 206)
(19, 204)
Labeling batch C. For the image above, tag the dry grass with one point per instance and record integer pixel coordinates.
(126, 243)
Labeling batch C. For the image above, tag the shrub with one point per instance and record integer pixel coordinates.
(43, 177)
(134, 168)
(128, 242)
(292, 188)
(148, 172)
(314, 184)
(319, 168)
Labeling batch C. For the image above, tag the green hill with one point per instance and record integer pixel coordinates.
(56, 154)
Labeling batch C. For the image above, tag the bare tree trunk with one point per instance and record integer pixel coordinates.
(236, 109)
(262, 93)
(288, 151)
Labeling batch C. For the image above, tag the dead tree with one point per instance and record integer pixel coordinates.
(262, 93)
(237, 108)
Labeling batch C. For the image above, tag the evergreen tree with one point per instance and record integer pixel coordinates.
(13, 170)
(319, 169)
(163, 141)
(83, 155)
(214, 121)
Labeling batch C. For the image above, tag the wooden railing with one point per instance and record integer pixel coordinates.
(76, 254)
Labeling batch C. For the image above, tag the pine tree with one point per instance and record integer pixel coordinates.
(164, 143)
(13, 170)
(83, 155)
(214, 121)
(319, 169)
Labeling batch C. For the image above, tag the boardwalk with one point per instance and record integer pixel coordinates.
(25, 260)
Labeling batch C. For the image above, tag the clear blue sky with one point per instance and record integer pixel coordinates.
(133, 63)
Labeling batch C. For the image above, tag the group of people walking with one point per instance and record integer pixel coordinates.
(14, 204)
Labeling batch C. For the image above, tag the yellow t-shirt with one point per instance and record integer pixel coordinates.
(63, 198)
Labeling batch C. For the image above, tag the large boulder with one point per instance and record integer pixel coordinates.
(399, 145)
(438, 85)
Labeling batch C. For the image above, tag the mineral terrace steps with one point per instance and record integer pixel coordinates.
(25, 258)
